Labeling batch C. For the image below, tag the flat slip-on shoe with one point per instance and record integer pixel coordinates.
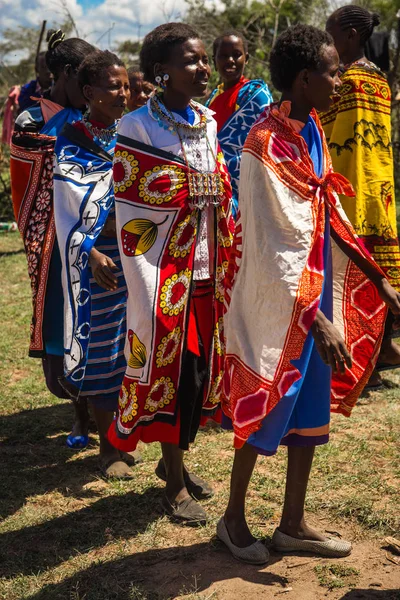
(185, 512)
(255, 554)
(333, 548)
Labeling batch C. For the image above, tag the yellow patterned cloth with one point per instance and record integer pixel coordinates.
(358, 131)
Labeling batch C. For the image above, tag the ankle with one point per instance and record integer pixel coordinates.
(176, 494)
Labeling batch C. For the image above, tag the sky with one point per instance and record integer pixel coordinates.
(104, 23)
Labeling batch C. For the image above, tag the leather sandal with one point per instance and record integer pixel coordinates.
(131, 458)
(106, 469)
(196, 486)
(185, 512)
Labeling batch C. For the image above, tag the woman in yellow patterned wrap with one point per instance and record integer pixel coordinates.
(358, 131)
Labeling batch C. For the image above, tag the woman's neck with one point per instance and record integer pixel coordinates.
(99, 117)
(352, 56)
(300, 109)
(58, 94)
(175, 100)
(230, 84)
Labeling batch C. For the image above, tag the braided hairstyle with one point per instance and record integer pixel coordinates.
(62, 52)
(356, 17)
(230, 33)
(158, 44)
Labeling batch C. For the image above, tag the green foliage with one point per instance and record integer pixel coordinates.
(129, 52)
(21, 41)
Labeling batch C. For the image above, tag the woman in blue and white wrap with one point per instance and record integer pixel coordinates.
(93, 283)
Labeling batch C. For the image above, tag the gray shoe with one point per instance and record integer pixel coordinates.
(333, 548)
(185, 512)
(255, 554)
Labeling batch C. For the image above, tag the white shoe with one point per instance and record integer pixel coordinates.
(255, 554)
(333, 547)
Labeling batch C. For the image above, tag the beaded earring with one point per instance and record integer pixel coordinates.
(162, 81)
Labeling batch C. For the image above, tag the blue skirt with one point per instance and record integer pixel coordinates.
(302, 416)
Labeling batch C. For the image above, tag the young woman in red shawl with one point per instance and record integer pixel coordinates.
(237, 102)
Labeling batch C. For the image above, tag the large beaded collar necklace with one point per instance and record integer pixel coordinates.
(205, 187)
(166, 120)
(103, 136)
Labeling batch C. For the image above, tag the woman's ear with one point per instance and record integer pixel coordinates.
(87, 92)
(352, 34)
(158, 71)
(68, 71)
(303, 77)
(247, 58)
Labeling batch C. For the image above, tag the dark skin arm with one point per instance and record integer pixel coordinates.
(328, 341)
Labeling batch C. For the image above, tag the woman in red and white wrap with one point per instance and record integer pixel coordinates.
(174, 224)
(307, 304)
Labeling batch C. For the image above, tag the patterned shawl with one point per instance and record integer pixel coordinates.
(253, 97)
(277, 273)
(31, 168)
(83, 197)
(157, 238)
(359, 134)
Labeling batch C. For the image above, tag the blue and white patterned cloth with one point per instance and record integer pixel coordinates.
(94, 318)
(253, 98)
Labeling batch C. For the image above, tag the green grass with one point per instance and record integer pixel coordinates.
(336, 576)
(68, 534)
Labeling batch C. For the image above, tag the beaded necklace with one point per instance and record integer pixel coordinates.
(203, 186)
(166, 120)
(101, 135)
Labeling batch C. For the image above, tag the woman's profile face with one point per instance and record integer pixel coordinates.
(140, 92)
(230, 59)
(188, 69)
(323, 83)
(109, 94)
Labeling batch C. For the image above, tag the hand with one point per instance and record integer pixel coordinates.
(329, 343)
(389, 296)
(102, 267)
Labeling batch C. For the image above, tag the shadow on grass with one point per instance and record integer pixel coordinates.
(11, 252)
(33, 456)
(371, 594)
(159, 575)
(46, 545)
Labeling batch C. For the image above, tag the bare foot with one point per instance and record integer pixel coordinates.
(239, 531)
(302, 532)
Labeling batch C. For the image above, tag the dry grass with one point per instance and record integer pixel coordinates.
(67, 534)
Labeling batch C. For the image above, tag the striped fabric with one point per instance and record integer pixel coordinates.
(106, 363)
